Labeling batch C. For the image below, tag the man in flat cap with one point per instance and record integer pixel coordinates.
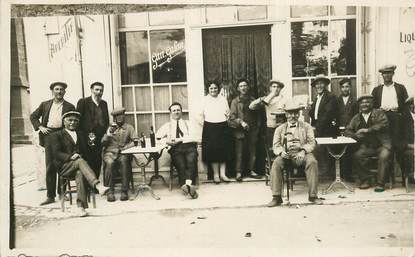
(347, 107)
(390, 97)
(50, 112)
(119, 136)
(293, 145)
(274, 104)
(370, 129)
(94, 123)
(323, 115)
(69, 148)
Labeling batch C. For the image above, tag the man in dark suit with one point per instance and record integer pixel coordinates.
(323, 115)
(50, 112)
(94, 123)
(390, 97)
(371, 131)
(347, 107)
(69, 147)
(409, 141)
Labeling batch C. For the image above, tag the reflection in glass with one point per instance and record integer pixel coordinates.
(127, 98)
(143, 98)
(309, 48)
(179, 94)
(343, 47)
(134, 58)
(302, 11)
(252, 13)
(168, 55)
(339, 10)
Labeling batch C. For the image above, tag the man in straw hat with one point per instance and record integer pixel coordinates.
(370, 129)
(50, 112)
(293, 145)
(69, 146)
(119, 136)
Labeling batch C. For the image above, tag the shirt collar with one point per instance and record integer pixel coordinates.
(391, 85)
(93, 100)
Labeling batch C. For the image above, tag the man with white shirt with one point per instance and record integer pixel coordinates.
(370, 129)
(94, 123)
(50, 112)
(293, 145)
(183, 148)
(390, 97)
(69, 147)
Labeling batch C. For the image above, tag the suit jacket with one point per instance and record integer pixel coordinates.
(401, 93)
(88, 117)
(306, 137)
(43, 112)
(409, 129)
(63, 147)
(327, 113)
(378, 128)
(346, 112)
(239, 113)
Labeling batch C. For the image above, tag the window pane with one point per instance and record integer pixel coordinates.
(134, 58)
(342, 10)
(300, 87)
(168, 55)
(343, 47)
(143, 98)
(127, 98)
(171, 17)
(161, 98)
(335, 87)
(132, 20)
(129, 119)
(252, 13)
(220, 14)
(161, 119)
(309, 48)
(144, 122)
(179, 94)
(308, 11)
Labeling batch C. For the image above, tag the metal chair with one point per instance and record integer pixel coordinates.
(67, 188)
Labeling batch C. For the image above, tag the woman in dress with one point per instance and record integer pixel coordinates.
(215, 136)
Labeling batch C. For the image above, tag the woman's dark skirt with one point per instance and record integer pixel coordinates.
(215, 142)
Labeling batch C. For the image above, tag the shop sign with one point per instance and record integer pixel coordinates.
(59, 42)
(166, 55)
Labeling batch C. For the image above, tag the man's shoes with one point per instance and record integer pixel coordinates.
(216, 180)
(110, 196)
(379, 189)
(225, 179)
(124, 196)
(190, 190)
(276, 201)
(81, 212)
(253, 174)
(238, 177)
(48, 200)
(101, 189)
(364, 185)
(315, 200)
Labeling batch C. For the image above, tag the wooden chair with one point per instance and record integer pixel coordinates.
(67, 188)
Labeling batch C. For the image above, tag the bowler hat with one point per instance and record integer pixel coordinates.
(279, 83)
(387, 68)
(71, 113)
(118, 111)
(292, 106)
(362, 97)
(320, 77)
(57, 84)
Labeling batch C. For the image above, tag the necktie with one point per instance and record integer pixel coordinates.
(179, 132)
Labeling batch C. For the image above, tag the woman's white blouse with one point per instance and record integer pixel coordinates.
(215, 109)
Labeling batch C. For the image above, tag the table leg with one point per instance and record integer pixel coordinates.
(143, 187)
(338, 179)
(156, 173)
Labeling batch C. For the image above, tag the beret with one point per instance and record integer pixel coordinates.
(118, 111)
(57, 84)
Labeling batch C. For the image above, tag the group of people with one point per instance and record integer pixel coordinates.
(80, 142)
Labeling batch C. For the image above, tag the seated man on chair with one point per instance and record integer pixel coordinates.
(293, 144)
(370, 129)
(183, 149)
(69, 146)
(119, 136)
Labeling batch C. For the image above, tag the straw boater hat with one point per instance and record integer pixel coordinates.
(362, 97)
(71, 113)
(292, 106)
(118, 111)
(387, 68)
(320, 77)
(58, 83)
(279, 83)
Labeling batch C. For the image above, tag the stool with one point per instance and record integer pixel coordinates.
(66, 188)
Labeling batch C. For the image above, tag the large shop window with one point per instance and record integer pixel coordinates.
(153, 75)
(323, 40)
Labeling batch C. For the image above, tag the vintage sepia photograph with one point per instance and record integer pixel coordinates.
(203, 128)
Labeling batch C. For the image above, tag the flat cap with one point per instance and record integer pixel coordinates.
(118, 111)
(279, 83)
(362, 97)
(54, 84)
(345, 80)
(292, 106)
(387, 68)
(71, 113)
(320, 77)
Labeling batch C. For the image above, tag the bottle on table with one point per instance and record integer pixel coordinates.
(152, 137)
(143, 140)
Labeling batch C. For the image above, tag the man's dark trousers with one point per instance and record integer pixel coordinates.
(51, 172)
(184, 158)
